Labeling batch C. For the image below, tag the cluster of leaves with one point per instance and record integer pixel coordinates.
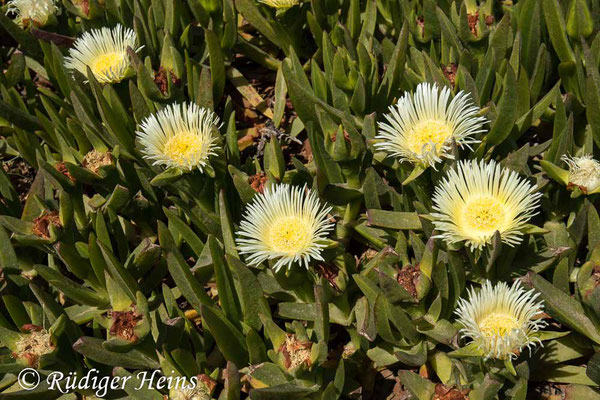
(131, 267)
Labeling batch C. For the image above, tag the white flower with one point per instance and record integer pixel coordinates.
(36, 12)
(584, 172)
(284, 223)
(104, 50)
(477, 199)
(180, 135)
(501, 319)
(422, 127)
(280, 4)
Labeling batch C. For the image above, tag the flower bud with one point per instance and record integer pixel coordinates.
(579, 20)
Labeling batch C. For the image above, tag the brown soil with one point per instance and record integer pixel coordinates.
(263, 81)
(389, 387)
(21, 176)
(443, 392)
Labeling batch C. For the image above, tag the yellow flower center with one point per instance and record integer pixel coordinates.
(425, 134)
(103, 64)
(483, 215)
(184, 148)
(498, 324)
(288, 235)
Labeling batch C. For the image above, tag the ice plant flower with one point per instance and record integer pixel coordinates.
(477, 199)
(285, 223)
(421, 127)
(584, 172)
(32, 12)
(501, 320)
(180, 135)
(104, 51)
(280, 4)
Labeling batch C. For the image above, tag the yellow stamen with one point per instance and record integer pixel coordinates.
(288, 235)
(498, 324)
(183, 147)
(483, 215)
(426, 133)
(105, 63)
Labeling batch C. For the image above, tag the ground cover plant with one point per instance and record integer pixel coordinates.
(285, 199)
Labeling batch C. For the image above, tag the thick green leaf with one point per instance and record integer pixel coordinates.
(249, 293)
(563, 307)
(92, 348)
(506, 113)
(187, 283)
(394, 219)
(217, 65)
(227, 296)
(228, 337)
(420, 387)
(70, 288)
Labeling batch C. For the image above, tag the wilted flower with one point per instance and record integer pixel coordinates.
(104, 50)
(501, 319)
(285, 223)
(46, 223)
(422, 127)
(199, 389)
(94, 160)
(281, 4)
(32, 12)
(195, 393)
(33, 345)
(584, 172)
(477, 199)
(179, 135)
(295, 352)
